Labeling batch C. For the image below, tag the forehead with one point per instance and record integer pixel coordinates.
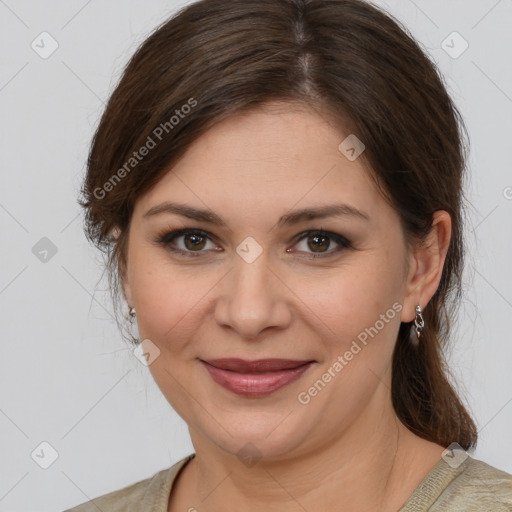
(268, 159)
(275, 134)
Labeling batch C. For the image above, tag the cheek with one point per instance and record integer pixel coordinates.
(167, 312)
(166, 296)
(362, 312)
(344, 302)
(176, 303)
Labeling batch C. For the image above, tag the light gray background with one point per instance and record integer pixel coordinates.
(66, 376)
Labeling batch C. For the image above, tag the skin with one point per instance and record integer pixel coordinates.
(346, 447)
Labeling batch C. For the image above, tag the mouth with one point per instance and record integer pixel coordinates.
(255, 378)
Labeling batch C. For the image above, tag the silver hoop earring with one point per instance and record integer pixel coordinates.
(419, 323)
(132, 314)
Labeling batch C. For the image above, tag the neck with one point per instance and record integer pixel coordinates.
(375, 464)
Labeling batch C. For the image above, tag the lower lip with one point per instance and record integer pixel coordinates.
(255, 384)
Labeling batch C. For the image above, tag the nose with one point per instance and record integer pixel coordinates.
(252, 298)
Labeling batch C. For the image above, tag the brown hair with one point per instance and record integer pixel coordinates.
(353, 62)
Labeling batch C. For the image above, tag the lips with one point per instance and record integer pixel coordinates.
(258, 366)
(255, 379)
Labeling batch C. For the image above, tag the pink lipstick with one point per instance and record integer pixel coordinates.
(255, 378)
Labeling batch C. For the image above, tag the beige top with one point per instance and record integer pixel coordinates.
(472, 486)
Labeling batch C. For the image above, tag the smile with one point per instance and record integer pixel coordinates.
(255, 378)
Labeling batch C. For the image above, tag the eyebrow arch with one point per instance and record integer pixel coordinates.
(295, 217)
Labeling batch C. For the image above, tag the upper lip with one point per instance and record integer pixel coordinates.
(257, 366)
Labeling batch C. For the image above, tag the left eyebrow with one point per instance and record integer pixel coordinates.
(295, 217)
(321, 212)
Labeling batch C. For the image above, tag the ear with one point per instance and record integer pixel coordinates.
(126, 287)
(123, 274)
(426, 265)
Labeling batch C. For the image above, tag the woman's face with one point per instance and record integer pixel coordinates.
(258, 286)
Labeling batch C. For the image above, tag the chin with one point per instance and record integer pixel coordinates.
(252, 436)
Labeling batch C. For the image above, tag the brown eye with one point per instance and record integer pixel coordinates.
(317, 243)
(189, 242)
(194, 241)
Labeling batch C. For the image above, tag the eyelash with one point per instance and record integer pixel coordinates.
(166, 237)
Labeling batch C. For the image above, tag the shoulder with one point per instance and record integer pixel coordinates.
(462, 484)
(149, 494)
(478, 487)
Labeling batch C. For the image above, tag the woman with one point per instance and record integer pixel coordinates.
(278, 187)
